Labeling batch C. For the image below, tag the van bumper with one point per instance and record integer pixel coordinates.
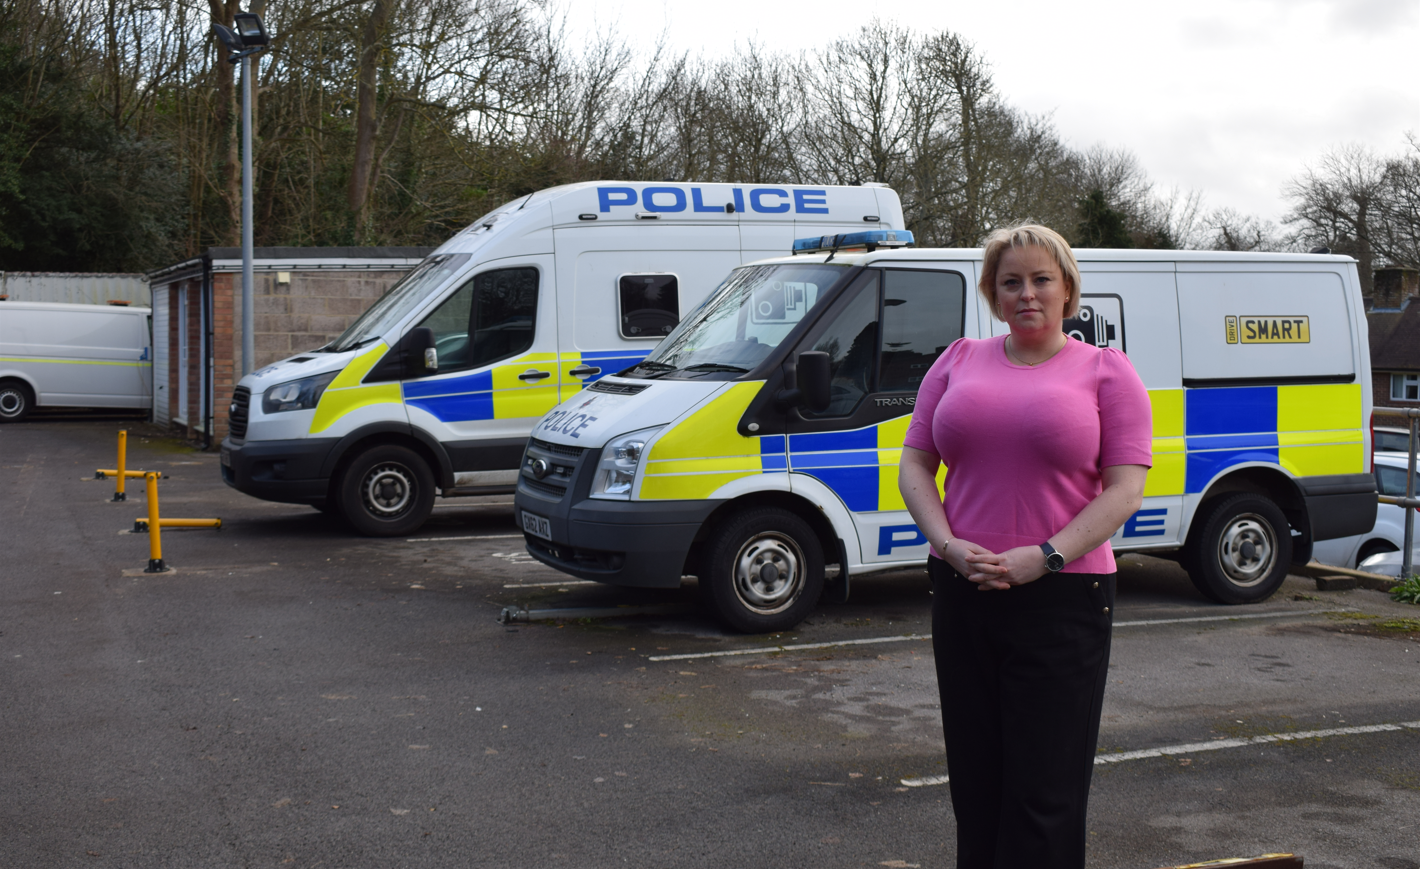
(1340, 505)
(284, 471)
(632, 543)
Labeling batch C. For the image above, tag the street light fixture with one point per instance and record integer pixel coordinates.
(248, 38)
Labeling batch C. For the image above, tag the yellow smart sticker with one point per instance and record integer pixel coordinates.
(1274, 330)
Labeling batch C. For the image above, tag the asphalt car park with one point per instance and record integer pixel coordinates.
(294, 695)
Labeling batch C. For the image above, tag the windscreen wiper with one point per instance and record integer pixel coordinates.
(654, 366)
(715, 366)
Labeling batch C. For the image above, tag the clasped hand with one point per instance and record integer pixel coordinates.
(993, 571)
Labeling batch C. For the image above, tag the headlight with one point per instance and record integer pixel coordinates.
(616, 471)
(297, 395)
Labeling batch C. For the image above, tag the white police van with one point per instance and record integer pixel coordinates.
(435, 388)
(760, 440)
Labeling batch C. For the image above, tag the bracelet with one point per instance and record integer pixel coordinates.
(945, 544)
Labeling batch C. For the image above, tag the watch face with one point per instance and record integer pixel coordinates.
(1054, 561)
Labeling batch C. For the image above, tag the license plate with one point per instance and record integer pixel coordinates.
(536, 525)
(226, 457)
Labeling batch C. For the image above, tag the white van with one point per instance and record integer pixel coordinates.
(56, 355)
(760, 440)
(436, 387)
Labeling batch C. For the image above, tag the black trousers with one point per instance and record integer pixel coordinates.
(1022, 676)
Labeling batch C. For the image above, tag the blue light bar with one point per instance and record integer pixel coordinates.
(870, 240)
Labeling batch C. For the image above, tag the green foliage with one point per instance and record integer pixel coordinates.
(1408, 591)
(76, 194)
(1101, 225)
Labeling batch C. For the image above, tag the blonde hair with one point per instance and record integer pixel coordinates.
(1028, 234)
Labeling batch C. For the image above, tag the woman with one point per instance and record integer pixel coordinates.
(1047, 442)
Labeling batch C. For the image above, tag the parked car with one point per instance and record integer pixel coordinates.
(1388, 535)
(1389, 563)
(1388, 439)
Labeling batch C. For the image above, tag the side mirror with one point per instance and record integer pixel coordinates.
(420, 355)
(412, 356)
(811, 374)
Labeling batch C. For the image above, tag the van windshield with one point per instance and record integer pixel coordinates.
(400, 299)
(742, 321)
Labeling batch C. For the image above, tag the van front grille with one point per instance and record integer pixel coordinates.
(548, 468)
(238, 412)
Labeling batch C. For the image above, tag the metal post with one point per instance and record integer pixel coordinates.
(155, 543)
(248, 319)
(119, 494)
(1406, 561)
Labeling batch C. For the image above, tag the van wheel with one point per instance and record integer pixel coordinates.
(387, 491)
(763, 571)
(1242, 551)
(16, 400)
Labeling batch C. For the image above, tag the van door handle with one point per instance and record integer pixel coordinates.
(585, 371)
(533, 374)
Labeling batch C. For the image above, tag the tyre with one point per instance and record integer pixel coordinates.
(763, 571)
(16, 401)
(1374, 547)
(1242, 550)
(387, 491)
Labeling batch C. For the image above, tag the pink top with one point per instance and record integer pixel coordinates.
(1024, 445)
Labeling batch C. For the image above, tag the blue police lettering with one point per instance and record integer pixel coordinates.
(761, 199)
(1146, 523)
(648, 199)
(756, 200)
(890, 537)
(808, 201)
(626, 196)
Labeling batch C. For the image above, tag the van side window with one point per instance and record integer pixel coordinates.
(487, 319)
(649, 305)
(851, 342)
(922, 313)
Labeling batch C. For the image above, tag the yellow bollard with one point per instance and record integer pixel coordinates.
(155, 543)
(119, 494)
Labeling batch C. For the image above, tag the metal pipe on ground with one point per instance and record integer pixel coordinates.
(141, 525)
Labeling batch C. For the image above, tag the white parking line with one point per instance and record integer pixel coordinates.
(1215, 745)
(1229, 618)
(551, 584)
(469, 537)
(769, 650)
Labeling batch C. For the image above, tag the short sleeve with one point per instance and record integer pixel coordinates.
(929, 395)
(1126, 417)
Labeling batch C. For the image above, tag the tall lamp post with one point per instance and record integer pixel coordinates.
(249, 37)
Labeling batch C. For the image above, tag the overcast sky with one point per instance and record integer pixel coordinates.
(1229, 97)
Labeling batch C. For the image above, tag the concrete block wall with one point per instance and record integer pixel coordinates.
(312, 309)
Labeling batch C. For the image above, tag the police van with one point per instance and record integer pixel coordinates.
(433, 391)
(759, 442)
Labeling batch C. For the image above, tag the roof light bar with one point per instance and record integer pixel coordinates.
(869, 240)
